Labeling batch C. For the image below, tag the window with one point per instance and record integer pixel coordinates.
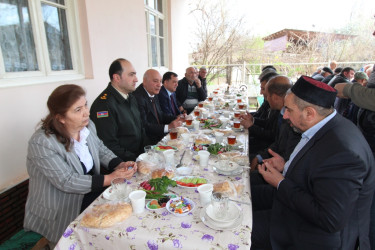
(38, 40)
(156, 36)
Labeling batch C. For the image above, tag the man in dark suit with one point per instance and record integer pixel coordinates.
(167, 95)
(155, 121)
(115, 113)
(323, 195)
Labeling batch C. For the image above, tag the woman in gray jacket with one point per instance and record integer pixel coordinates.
(63, 162)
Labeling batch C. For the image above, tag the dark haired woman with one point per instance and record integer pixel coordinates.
(63, 162)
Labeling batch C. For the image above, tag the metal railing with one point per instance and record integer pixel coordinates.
(241, 75)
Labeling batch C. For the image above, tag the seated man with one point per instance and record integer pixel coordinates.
(190, 90)
(202, 74)
(115, 113)
(323, 193)
(323, 74)
(167, 95)
(156, 123)
(262, 133)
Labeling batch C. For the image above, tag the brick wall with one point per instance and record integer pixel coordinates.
(12, 210)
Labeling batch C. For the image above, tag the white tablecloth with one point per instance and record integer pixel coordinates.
(162, 230)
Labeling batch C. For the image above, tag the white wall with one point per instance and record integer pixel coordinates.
(114, 28)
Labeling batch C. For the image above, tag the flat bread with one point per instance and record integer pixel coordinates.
(106, 215)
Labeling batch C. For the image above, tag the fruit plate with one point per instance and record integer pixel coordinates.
(192, 185)
(164, 147)
(180, 200)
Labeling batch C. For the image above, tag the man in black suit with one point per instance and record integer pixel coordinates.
(155, 121)
(167, 95)
(323, 193)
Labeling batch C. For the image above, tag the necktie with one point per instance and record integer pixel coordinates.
(173, 106)
(154, 106)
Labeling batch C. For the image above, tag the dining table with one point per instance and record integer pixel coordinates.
(160, 229)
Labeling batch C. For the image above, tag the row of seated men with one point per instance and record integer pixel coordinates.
(128, 118)
(313, 171)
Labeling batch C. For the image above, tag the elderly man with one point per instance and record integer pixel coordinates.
(190, 90)
(115, 113)
(155, 121)
(262, 133)
(167, 95)
(202, 74)
(324, 191)
(286, 139)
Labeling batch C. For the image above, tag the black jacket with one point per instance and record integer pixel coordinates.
(154, 130)
(182, 91)
(121, 129)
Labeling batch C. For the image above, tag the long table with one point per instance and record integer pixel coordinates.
(162, 230)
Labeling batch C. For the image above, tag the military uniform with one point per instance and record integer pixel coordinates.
(118, 123)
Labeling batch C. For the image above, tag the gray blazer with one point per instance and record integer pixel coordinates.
(57, 183)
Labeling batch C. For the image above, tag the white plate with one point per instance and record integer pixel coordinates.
(232, 214)
(181, 177)
(177, 214)
(108, 195)
(218, 225)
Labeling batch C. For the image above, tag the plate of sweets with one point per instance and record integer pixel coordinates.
(180, 206)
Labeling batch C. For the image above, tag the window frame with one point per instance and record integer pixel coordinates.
(158, 15)
(45, 74)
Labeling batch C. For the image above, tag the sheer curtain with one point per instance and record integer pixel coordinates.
(16, 36)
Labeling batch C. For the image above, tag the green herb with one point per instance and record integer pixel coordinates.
(161, 184)
(217, 148)
(211, 124)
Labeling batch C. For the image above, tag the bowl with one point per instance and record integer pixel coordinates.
(170, 206)
(184, 170)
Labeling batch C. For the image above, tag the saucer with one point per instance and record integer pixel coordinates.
(217, 225)
(226, 167)
(232, 214)
(108, 194)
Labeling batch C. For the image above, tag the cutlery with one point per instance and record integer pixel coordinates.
(242, 202)
(182, 156)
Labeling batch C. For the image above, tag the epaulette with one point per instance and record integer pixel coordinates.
(104, 96)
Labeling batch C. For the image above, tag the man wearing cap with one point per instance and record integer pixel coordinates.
(323, 73)
(329, 77)
(352, 110)
(324, 191)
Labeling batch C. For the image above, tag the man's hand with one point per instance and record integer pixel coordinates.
(340, 89)
(198, 82)
(271, 175)
(247, 120)
(276, 161)
(176, 123)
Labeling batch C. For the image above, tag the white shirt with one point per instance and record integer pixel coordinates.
(82, 150)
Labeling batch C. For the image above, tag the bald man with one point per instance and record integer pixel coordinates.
(156, 123)
(190, 90)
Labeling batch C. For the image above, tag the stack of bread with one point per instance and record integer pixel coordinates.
(106, 215)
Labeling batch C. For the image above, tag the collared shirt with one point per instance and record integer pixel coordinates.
(122, 94)
(306, 136)
(82, 150)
